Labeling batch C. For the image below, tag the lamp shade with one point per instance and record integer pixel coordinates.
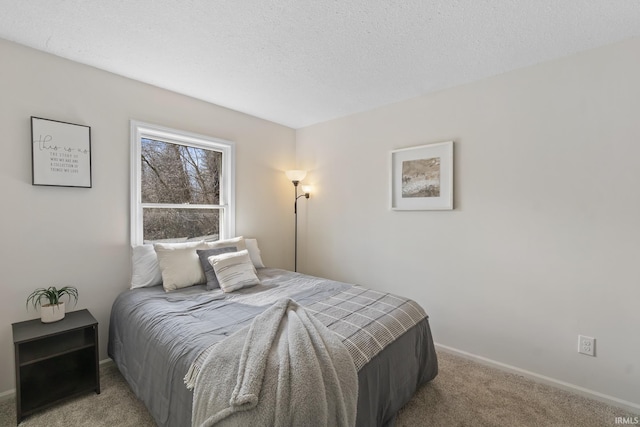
(306, 189)
(296, 175)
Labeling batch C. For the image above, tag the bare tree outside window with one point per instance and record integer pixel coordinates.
(173, 224)
(175, 174)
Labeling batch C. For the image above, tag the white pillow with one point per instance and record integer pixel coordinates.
(179, 264)
(254, 252)
(238, 242)
(145, 271)
(234, 270)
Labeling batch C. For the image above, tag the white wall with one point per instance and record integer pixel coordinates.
(80, 237)
(544, 241)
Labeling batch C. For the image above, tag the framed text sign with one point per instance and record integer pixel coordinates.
(61, 153)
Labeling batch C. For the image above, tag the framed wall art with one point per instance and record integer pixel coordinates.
(61, 153)
(422, 177)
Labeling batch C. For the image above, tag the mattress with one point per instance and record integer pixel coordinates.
(156, 338)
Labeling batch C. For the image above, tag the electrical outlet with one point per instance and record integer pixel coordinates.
(587, 345)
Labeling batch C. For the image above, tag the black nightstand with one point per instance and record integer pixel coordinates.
(55, 361)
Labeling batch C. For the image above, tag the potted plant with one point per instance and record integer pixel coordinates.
(53, 309)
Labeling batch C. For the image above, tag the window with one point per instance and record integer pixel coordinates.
(182, 185)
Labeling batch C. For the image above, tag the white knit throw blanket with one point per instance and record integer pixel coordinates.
(285, 369)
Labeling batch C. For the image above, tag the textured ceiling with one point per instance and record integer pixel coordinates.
(300, 62)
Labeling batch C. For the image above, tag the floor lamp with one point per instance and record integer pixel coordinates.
(295, 176)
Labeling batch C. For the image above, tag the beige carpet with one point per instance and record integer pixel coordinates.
(464, 394)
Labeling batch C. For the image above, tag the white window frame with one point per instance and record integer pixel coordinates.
(227, 204)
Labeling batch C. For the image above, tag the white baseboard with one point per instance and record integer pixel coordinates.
(611, 400)
(6, 395)
(107, 361)
(9, 394)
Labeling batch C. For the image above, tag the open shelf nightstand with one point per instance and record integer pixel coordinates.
(55, 361)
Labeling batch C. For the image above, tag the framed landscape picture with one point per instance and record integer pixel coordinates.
(60, 153)
(422, 177)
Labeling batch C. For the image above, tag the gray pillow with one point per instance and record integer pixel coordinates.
(204, 254)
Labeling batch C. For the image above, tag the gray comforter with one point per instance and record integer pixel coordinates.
(156, 337)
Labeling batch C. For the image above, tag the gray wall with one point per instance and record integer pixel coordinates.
(543, 243)
(80, 237)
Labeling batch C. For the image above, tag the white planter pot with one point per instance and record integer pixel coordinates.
(52, 313)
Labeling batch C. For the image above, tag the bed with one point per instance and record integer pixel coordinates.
(157, 339)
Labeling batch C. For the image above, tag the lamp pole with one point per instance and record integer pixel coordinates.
(296, 176)
(295, 214)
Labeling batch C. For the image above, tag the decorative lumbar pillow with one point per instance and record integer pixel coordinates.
(179, 264)
(145, 268)
(234, 270)
(254, 252)
(210, 274)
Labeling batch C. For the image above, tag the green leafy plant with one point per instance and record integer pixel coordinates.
(52, 295)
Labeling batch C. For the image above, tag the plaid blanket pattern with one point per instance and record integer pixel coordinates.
(367, 321)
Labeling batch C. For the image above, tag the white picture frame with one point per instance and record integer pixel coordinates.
(60, 153)
(422, 177)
